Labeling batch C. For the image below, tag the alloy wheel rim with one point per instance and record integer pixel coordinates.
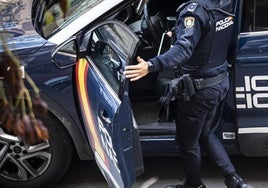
(20, 162)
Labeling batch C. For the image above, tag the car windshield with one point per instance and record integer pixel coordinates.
(60, 13)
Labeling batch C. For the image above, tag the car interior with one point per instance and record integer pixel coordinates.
(156, 18)
(148, 22)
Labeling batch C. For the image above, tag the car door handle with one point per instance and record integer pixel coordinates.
(103, 115)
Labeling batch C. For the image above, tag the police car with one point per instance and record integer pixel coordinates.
(122, 121)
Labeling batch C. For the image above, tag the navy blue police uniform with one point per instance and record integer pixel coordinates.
(203, 31)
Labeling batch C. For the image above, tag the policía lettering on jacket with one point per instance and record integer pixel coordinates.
(224, 23)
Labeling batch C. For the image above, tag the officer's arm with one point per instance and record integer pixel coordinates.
(189, 29)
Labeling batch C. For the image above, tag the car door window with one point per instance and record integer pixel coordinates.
(255, 16)
(109, 56)
(108, 118)
(108, 63)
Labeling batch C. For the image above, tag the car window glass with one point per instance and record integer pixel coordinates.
(60, 13)
(109, 48)
(261, 15)
(255, 16)
(108, 63)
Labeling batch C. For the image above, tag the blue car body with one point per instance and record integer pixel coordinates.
(117, 122)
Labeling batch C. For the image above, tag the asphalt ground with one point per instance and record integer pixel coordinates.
(161, 171)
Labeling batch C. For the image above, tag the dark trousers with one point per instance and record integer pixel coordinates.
(196, 121)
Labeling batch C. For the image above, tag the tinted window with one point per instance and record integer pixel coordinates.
(255, 16)
(109, 47)
(107, 62)
(58, 13)
(261, 15)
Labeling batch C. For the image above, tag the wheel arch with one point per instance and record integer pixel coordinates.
(79, 140)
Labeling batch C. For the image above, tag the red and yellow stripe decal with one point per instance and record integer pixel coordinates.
(81, 83)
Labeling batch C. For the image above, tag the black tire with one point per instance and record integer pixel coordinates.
(32, 168)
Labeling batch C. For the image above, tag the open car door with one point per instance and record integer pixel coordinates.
(101, 88)
(104, 104)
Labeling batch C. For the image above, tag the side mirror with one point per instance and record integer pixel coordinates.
(66, 54)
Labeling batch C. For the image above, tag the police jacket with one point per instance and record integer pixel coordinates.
(203, 31)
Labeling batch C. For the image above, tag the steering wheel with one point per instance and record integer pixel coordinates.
(156, 23)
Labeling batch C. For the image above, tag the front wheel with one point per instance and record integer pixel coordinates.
(40, 165)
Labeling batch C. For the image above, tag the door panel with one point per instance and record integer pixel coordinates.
(251, 78)
(104, 102)
(251, 88)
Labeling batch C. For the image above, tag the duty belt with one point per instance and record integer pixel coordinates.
(208, 82)
(184, 87)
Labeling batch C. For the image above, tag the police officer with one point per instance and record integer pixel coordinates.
(203, 31)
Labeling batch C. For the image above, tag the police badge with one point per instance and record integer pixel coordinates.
(189, 22)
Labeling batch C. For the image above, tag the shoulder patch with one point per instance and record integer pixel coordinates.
(189, 21)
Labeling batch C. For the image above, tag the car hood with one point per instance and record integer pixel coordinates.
(58, 20)
(25, 44)
(17, 32)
